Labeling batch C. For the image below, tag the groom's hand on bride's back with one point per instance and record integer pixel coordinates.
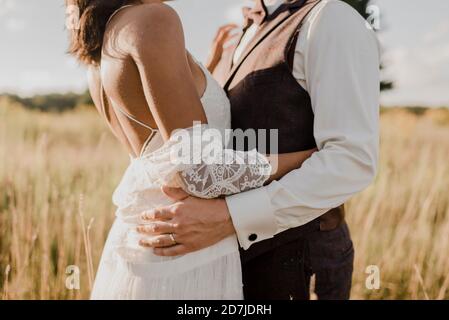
(188, 225)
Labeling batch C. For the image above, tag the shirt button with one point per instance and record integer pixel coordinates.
(252, 237)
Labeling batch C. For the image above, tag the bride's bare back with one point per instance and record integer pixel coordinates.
(148, 76)
(144, 48)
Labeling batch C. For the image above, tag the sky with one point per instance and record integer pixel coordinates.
(414, 35)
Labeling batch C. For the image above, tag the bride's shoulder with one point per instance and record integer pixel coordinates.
(155, 23)
(152, 13)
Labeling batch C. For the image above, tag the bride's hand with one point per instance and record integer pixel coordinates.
(220, 44)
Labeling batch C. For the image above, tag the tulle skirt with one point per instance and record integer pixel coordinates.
(129, 272)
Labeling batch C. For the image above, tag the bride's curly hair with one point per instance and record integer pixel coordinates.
(86, 39)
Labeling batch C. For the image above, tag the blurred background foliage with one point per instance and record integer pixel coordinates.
(52, 102)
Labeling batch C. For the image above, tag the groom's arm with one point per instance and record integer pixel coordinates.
(341, 73)
(341, 70)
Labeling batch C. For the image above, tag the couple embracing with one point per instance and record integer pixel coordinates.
(258, 226)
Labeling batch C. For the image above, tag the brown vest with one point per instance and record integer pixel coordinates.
(265, 95)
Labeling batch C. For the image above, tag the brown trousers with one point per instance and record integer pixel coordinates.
(284, 273)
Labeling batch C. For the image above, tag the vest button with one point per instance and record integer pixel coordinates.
(252, 237)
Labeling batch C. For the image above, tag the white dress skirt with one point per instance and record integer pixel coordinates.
(127, 274)
(128, 271)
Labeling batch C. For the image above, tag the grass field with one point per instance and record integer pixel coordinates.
(57, 173)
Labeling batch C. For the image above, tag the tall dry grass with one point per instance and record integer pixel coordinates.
(57, 173)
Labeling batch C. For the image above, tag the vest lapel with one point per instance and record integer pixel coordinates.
(272, 22)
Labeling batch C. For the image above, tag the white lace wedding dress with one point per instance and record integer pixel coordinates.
(128, 271)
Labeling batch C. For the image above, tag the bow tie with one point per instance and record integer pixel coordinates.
(256, 15)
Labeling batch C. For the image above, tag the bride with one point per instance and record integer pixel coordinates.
(147, 86)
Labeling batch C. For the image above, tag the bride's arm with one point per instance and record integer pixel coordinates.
(288, 162)
(227, 173)
(155, 41)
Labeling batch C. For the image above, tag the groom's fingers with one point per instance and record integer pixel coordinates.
(156, 228)
(161, 241)
(164, 213)
(176, 194)
(171, 251)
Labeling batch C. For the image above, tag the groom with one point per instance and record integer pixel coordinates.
(310, 69)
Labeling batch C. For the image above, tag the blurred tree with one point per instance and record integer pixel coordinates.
(362, 7)
(52, 102)
(85, 99)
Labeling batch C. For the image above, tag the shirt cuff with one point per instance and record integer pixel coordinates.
(253, 216)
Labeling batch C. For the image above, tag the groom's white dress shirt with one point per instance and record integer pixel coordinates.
(337, 61)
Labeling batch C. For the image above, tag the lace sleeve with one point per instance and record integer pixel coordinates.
(206, 169)
(242, 171)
